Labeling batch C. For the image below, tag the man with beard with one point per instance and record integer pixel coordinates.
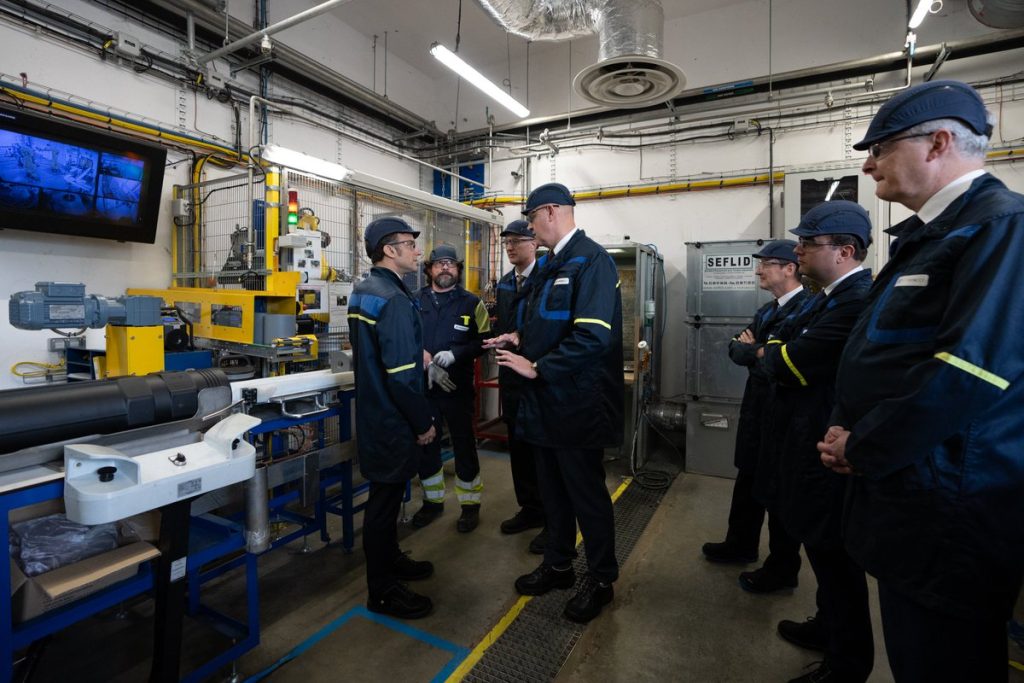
(454, 322)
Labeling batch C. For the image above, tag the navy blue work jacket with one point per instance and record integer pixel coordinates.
(758, 387)
(572, 329)
(387, 355)
(930, 386)
(455, 321)
(802, 366)
(509, 312)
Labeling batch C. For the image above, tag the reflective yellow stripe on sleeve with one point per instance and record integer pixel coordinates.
(594, 321)
(774, 341)
(483, 320)
(356, 316)
(400, 368)
(972, 369)
(785, 357)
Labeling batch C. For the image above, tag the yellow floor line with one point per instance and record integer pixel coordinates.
(492, 636)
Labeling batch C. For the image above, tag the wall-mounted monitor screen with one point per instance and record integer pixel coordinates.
(73, 179)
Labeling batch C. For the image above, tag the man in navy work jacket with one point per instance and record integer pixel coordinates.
(801, 362)
(393, 419)
(930, 409)
(570, 348)
(521, 248)
(778, 273)
(454, 322)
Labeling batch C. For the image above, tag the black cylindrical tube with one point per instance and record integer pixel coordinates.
(47, 414)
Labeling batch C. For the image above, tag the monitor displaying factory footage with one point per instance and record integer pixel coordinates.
(60, 177)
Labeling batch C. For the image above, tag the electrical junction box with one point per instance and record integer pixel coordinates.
(180, 208)
(215, 80)
(126, 45)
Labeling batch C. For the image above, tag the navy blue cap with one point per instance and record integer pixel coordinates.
(551, 193)
(443, 251)
(927, 102)
(840, 217)
(518, 227)
(779, 249)
(380, 228)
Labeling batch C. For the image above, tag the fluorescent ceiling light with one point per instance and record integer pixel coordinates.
(831, 190)
(455, 63)
(918, 16)
(303, 162)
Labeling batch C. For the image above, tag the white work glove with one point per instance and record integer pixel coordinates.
(439, 376)
(444, 358)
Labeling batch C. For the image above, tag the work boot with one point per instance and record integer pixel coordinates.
(522, 521)
(727, 553)
(545, 578)
(539, 542)
(809, 634)
(427, 514)
(408, 569)
(592, 596)
(469, 519)
(398, 601)
(763, 581)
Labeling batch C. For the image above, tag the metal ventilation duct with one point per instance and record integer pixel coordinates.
(630, 72)
(998, 13)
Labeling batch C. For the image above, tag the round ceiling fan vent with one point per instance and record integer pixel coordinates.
(630, 82)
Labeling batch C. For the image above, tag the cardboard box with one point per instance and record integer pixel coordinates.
(31, 597)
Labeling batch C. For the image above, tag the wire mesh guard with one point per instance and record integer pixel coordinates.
(209, 244)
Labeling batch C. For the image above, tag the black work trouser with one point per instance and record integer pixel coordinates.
(380, 534)
(572, 484)
(524, 466)
(746, 517)
(843, 610)
(925, 645)
(456, 410)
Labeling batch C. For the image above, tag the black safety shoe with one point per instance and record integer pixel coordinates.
(808, 634)
(539, 543)
(427, 514)
(521, 521)
(727, 553)
(761, 581)
(408, 569)
(398, 601)
(545, 578)
(469, 519)
(589, 600)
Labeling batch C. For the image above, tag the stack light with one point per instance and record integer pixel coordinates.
(293, 207)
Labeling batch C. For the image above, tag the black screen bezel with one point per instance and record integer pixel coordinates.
(154, 157)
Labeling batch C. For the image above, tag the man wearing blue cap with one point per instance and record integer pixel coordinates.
(393, 419)
(800, 359)
(778, 273)
(570, 349)
(454, 323)
(521, 249)
(930, 394)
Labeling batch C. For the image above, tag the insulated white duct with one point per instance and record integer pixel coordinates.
(998, 13)
(630, 71)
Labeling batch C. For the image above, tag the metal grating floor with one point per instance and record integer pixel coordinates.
(539, 640)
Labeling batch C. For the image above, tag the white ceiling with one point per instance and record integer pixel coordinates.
(412, 26)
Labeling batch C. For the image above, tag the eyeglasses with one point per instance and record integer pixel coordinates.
(444, 263)
(400, 243)
(809, 243)
(509, 242)
(530, 217)
(771, 262)
(878, 149)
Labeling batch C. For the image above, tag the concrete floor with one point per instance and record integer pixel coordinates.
(675, 617)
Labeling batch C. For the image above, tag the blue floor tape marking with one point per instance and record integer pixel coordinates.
(459, 653)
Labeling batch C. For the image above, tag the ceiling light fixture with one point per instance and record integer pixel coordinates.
(303, 162)
(923, 7)
(455, 63)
